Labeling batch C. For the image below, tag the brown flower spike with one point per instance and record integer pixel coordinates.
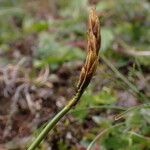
(94, 43)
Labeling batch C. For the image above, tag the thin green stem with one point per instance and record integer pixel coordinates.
(139, 136)
(100, 107)
(124, 79)
(147, 105)
(102, 133)
(55, 120)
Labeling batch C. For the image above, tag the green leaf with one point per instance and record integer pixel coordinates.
(30, 25)
(106, 96)
(52, 52)
(107, 38)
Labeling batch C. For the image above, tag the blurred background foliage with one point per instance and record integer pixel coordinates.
(53, 33)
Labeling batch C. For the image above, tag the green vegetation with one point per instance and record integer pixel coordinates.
(42, 48)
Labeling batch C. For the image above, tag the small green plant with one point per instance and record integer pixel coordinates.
(89, 68)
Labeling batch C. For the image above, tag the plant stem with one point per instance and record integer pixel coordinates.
(85, 75)
(54, 121)
(100, 107)
(123, 78)
(102, 133)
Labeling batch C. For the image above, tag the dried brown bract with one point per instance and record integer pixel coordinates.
(94, 42)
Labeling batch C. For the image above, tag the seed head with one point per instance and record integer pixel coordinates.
(93, 46)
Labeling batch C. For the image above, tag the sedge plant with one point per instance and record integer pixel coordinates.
(86, 74)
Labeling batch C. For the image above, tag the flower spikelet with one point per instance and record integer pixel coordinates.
(93, 46)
